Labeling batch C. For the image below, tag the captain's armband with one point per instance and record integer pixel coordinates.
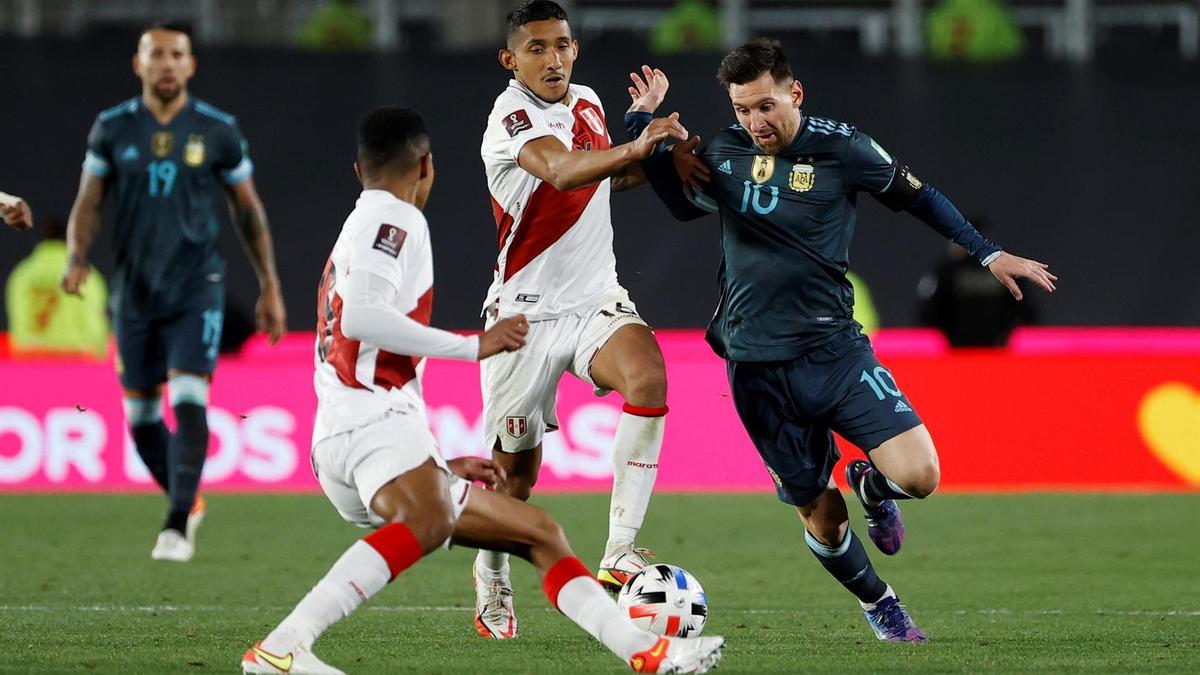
(902, 191)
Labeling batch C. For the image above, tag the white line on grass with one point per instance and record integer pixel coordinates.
(154, 609)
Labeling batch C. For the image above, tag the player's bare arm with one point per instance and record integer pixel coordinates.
(15, 212)
(550, 160)
(627, 178)
(250, 219)
(82, 226)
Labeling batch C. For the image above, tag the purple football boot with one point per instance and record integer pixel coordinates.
(885, 525)
(892, 624)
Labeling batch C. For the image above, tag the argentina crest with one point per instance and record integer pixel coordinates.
(763, 168)
(193, 151)
(802, 177)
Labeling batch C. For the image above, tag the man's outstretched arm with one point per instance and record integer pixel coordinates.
(550, 160)
(907, 193)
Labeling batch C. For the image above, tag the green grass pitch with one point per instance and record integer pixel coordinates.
(1033, 583)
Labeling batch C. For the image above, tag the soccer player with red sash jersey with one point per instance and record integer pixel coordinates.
(373, 453)
(551, 166)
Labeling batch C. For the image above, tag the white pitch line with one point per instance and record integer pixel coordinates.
(153, 609)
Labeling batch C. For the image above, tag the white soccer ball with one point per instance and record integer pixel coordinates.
(665, 600)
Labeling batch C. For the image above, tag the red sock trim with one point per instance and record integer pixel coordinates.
(562, 572)
(398, 546)
(646, 412)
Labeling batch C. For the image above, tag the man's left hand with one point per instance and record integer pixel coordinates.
(648, 93)
(1008, 268)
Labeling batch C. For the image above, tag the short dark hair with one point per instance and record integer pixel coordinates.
(168, 24)
(534, 10)
(391, 138)
(748, 62)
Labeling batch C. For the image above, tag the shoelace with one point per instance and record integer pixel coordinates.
(496, 606)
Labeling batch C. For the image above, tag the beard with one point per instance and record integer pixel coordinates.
(168, 92)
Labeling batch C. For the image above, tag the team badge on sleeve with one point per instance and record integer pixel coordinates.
(515, 426)
(516, 122)
(389, 240)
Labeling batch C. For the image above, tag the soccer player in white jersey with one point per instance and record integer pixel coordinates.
(550, 167)
(373, 452)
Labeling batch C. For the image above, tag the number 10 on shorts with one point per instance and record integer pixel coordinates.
(880, 381)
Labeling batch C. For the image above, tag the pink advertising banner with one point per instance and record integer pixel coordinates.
(62, 427)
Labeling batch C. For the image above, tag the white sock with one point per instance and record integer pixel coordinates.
(635, 466)
(889, 593)
(491, 564)
(584, 601)
(360, 573)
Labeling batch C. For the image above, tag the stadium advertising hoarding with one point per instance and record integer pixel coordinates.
(1074, 410)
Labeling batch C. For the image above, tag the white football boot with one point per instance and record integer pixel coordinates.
(679, 655)
(494, 616)
(171, 545)
(199, 508)
(619, 565)
(299, 661)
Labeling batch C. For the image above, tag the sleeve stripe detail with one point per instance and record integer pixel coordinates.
(95, 164)
(892, 179)
(703, 201)
(206, 109)
(124, 107)
(239, 173)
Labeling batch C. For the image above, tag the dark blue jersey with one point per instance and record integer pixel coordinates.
(168, 181)
(786, 224)
(787, 221)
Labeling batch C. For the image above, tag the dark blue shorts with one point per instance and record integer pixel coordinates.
(791, 409)
(148, 345)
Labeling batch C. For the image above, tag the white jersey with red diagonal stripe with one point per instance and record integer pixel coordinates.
(556, 248)
(356, 382)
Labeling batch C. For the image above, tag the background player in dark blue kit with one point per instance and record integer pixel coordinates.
(170, 159)
(799, 367)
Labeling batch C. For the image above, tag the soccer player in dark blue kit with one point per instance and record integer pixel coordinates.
(799, 366)
(170, 160)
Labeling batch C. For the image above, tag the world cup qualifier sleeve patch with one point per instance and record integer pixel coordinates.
(389, 240)
(516, 122)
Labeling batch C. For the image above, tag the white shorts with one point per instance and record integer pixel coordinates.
(353, 465)
(519, 388)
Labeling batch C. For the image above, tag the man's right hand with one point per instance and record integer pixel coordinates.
(507, 335)
(659, 130)
(76, 273)
(691, 169)
(16, 213)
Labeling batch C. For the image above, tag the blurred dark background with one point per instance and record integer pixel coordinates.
(1088, 164)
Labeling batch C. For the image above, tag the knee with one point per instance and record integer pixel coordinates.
(646, 387)
(432, 528)
(924, 480)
